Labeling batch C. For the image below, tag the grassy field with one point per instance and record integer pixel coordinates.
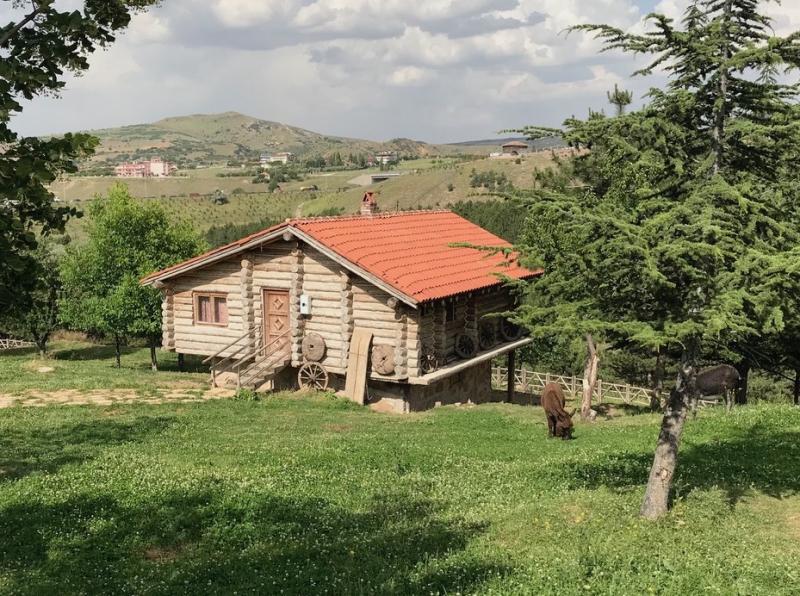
(310, 494)
(77, 365)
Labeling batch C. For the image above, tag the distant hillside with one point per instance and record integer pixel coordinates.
(218, 138)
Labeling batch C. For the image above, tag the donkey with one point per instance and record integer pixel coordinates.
(559, 421)
(722, 379)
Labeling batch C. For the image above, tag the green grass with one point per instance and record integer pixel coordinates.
(315, 495)
(86, 366)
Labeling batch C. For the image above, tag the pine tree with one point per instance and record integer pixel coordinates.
(620, 99)
(651, 237)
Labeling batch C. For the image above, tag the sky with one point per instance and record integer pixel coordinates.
(432, 70)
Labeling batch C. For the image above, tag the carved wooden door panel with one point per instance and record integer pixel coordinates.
(276, 319)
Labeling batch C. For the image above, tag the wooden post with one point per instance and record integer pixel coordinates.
(401, 347)
(511, 376)
(440, 331)
(599, 391)
(168, 320)
(346, 290)
(181, 362)
(296, 320)
(248, 312)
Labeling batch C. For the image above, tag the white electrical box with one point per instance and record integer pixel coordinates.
(305, 304)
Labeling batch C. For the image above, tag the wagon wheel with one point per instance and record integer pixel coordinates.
(466, 346)
(487, 334)
(510, 331)
(429, 361)
(313, 375)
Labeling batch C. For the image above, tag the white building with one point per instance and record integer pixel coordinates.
(386, 157)
(282, 158)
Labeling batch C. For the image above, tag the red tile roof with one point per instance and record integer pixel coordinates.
(412, 252)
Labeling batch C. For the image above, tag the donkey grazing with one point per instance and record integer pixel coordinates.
(559, 421)
(722, 379)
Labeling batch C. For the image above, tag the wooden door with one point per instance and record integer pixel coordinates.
(275, 305)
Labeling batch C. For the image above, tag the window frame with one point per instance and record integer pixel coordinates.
(213, 296)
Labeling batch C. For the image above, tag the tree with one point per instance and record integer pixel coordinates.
(620, 99)
(36, 49)
(34, 312)
(678, 203)
(127, 239)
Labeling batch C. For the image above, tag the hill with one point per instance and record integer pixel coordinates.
(204, 139)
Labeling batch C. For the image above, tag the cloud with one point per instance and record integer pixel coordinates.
(436, 70)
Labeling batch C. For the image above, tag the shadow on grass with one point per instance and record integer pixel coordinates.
(607, 409)
(760, 458)
(211, 542)
(25, 451)
(108, 353)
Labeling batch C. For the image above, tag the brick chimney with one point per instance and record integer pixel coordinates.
(369, 204)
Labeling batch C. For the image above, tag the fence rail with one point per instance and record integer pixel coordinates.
(528, 381)
(14, 344)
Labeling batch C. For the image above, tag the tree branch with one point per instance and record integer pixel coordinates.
(38, 9)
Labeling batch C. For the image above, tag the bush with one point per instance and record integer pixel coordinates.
(246, 395)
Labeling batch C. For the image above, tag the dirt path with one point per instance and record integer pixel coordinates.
(107, 397)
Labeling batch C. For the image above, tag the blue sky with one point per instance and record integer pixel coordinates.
(438, 70)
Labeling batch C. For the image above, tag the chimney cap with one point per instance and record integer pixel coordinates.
(369, 204)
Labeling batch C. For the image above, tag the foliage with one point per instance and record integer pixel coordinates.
(658, 249)
(35, 53)
(502, 218)
(490, 180)
(279, 495)
(127, 239)
(33, 314)
(245, 394)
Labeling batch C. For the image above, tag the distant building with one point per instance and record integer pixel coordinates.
(155, 167)
(515, 148)
(268, 159)
(386, 157)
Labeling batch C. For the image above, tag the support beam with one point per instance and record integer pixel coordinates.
(512, 367)
(168, 320)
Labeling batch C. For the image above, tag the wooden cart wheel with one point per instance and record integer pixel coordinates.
(510, 331)
(313, 375)
(429, 362)
(383, 359)
(313, 347)
(466, 346)
(487, 334)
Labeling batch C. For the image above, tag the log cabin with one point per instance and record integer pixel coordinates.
(401, 299)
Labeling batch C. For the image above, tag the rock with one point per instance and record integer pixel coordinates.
(45, 369)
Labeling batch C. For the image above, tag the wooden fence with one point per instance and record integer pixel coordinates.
(14, 344)
(528, 381)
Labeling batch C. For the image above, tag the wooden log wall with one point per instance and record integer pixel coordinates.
(191, 338)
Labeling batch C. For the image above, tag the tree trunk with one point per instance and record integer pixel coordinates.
(718, 132)
(589, 379)
(658, 381)
(153, 356)
(744, 372)
(117, 348)
(665, 461)
(797, 387)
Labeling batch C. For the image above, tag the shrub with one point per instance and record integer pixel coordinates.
(246, 395)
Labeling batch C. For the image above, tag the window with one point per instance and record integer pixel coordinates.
(211, 309)
(450, 311)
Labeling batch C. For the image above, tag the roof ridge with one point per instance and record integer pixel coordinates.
(352, 216)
